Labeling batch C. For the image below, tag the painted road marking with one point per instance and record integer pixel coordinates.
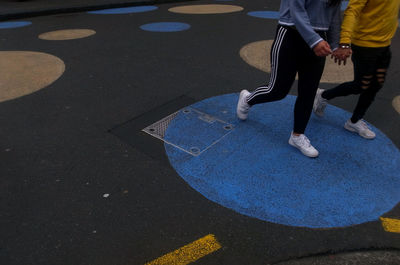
(67, 34)
(16, 24)
(391, 225)
(124, 10)
(165, 26)
(396, 103)
(189, 253)
(254, 171)
(206, 9)
(25, 72)
(264, 14)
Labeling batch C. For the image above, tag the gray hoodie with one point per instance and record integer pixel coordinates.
(309, 16)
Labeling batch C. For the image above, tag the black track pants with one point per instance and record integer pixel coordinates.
(290, 55)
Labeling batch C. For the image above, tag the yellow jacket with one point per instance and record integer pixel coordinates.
(370, 23)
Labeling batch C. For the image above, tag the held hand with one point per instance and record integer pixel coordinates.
(341, 54)
(322, 49)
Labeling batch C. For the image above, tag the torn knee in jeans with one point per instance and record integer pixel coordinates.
(380, 76)
(366, 81)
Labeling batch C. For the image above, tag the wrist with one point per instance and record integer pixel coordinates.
(344, 45)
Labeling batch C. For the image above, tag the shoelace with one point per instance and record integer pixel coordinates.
(363, 124)
(304, 140)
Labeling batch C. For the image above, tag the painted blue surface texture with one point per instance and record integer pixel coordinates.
(264, 14)
(16, 24)
(254, 171)
(165, 26)
(124, 10)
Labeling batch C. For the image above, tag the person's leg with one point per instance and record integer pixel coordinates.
(365, 100)
(283, 68)
(371, 89)
(364, 68)
(363, 63)
(310, 72)
(283, 73)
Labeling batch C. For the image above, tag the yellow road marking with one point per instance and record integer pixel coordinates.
(391, 225)
(189, 253)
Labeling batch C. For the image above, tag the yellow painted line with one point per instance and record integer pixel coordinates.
(391, 225)
(189, 253)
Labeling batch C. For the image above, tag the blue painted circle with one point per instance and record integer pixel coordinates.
(264, 14)
(165, 26)
(17, 24)
(124, 10)
(254, 171)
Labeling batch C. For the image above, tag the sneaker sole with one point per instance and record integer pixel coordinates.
(315, 107)
(318, 114)
(351, 129)
(238, 114)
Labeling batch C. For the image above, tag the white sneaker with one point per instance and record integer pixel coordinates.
(319, 103)
(302, 143)
(242, 109)
(361, 128)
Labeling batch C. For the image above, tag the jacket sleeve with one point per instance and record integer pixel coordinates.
(351, 15)
(334, 29)
(302, 23)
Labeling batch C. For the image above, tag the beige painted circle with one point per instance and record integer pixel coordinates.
(396, 104)
(25, 72)
(257, 54)
(205, 9)
(67, 34)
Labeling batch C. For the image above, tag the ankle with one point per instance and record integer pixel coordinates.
(353, 120)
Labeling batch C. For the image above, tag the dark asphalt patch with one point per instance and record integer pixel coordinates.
(131, 131)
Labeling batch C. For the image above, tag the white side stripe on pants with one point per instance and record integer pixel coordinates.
(274, 64)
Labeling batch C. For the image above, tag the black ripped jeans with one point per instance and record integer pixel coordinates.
(370, 66)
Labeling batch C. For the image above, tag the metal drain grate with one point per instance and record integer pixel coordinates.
(159, 128)
(197, 131)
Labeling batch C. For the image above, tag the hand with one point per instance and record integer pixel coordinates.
(322, 49)
(341, 54)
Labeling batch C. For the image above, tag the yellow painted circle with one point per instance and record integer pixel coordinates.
(67, 34)
(25, 72)
(257, 54)
(206, 9)
(396, 104)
